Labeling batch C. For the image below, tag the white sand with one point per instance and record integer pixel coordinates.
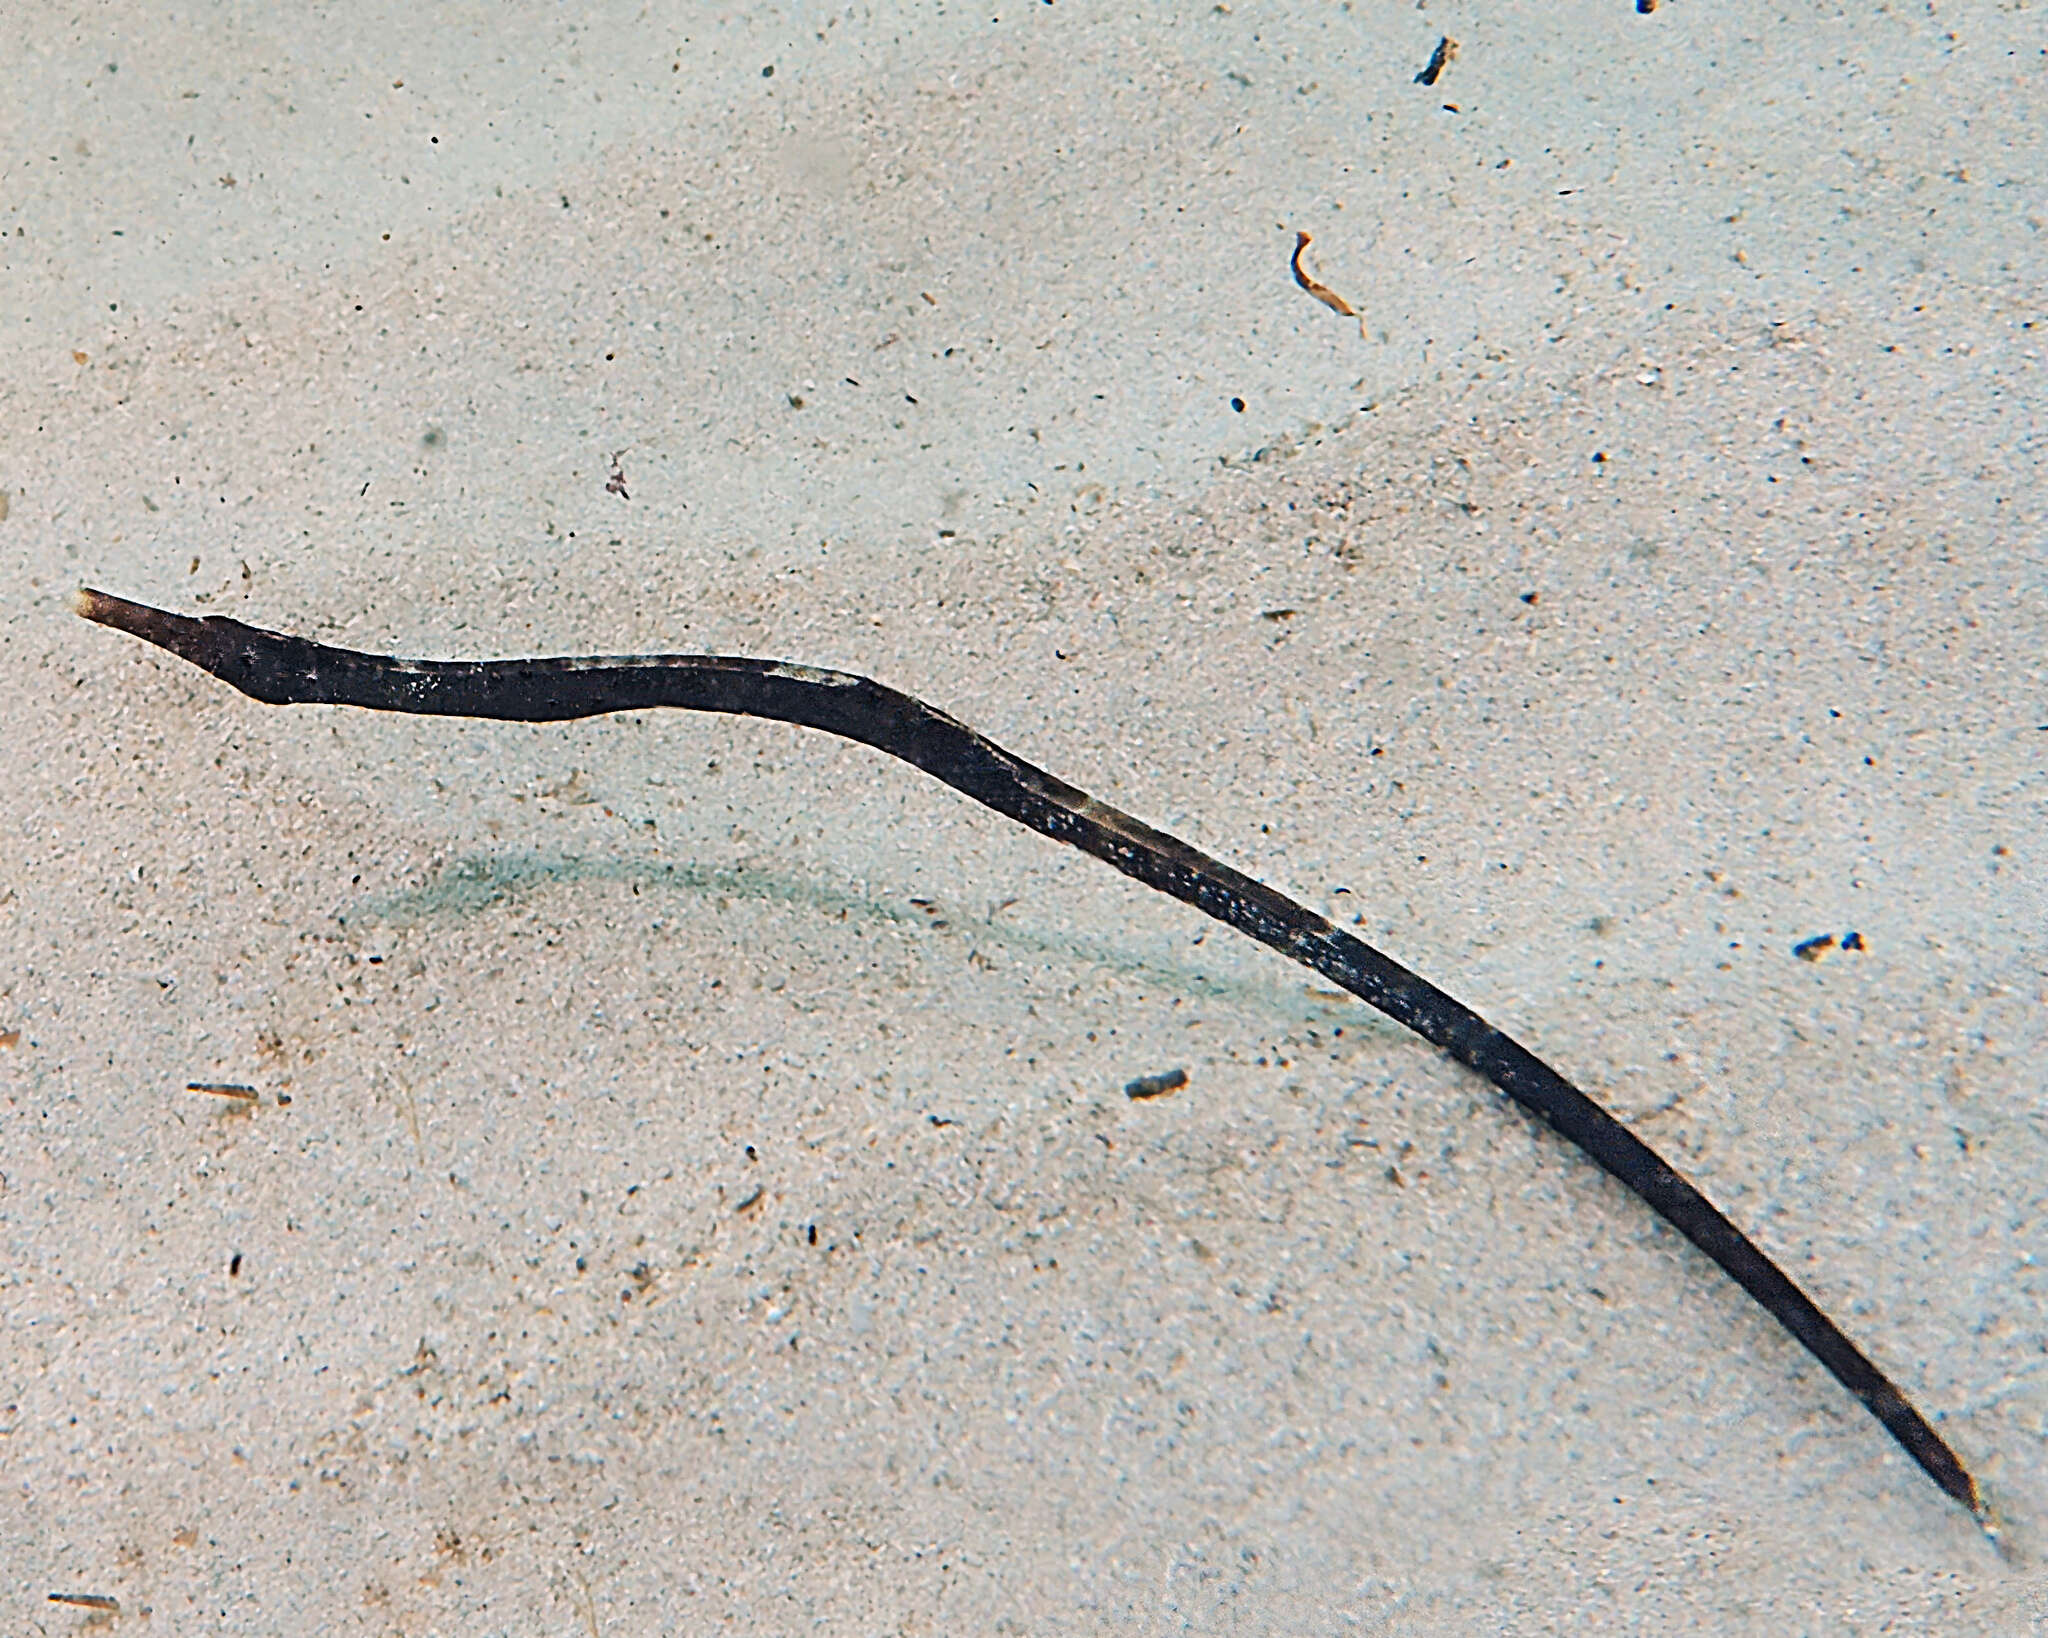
(567, 1038)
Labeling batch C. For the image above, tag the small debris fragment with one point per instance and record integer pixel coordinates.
(9, 1038)
(1316, 288)
(88, 1601)
(1445, 54)
(1814, 948)
(752, 1200)
(1853, 941)
(616, 483)
(1156, 1086)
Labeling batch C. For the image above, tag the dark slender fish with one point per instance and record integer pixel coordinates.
(282, 670)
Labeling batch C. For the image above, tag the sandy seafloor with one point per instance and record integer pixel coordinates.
(692, 1187)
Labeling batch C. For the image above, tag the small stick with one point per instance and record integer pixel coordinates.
(88, 1601)
(1321, 291)
(224, 1089)
(283, 670)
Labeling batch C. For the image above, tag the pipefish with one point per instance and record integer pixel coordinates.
(285, 670)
